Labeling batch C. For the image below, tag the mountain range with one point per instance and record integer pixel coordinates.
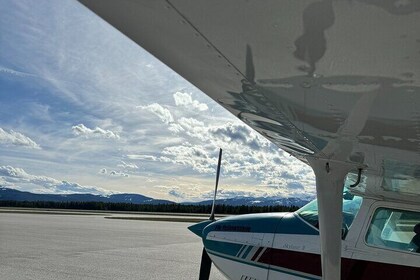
(16, 195)
(257, 201)
(12, 194)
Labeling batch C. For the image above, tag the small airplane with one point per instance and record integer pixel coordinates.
(341, 93)
(287, 245)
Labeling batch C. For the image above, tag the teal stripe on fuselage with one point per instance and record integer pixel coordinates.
(247, 252)
(226, 248)
(240, 251)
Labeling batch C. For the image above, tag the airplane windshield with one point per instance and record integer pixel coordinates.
(351, 205)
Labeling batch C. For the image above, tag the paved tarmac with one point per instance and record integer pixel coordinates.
(40, 246)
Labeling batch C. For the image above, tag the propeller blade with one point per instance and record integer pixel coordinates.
(217, 183)
(250, 69)
(205, 266)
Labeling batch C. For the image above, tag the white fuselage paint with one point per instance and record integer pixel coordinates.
(353, 247)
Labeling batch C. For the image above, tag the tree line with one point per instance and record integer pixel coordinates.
(171, 208)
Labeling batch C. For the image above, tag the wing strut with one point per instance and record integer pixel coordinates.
(329, 188)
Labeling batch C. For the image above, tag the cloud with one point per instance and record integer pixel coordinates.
(17, 178)
(185, 99)
(295, 185)
(176, 193)
(163, 113)
(104, 171)
(8, 71)
(246, 153)
(118, 173)
(97, 132)
(143, 157)
(224, 193)
(17, 139)
(239, 133)
(128, 165)
(191, 156)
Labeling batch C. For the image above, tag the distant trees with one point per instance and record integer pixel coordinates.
(171, 208)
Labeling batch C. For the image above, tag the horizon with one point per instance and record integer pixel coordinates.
(84, 109)
(205, 199)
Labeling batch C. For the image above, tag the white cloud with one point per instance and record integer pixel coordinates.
(142, 157)
(118, 173)
(126, 165)
(163, 113)
(185, 99)
(17, 178)
(103, 171)
(246, 155)
(97, 132)
(115, 173)
(5, 70)
(176, 193)
(17, 139)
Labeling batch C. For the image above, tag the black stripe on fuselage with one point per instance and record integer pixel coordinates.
(257, 253)
(350, 268)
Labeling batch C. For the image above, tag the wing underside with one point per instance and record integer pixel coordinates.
(336, 80)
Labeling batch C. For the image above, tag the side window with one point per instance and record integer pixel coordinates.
(395, 229)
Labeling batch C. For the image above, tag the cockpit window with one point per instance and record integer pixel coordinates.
(395, 229)
(351, 205)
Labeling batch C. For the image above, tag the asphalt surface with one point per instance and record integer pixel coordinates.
(38, 246)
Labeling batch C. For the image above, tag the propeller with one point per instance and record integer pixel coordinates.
(217, 183)
(205, 265)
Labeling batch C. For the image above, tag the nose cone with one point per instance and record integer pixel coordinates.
(198, 228)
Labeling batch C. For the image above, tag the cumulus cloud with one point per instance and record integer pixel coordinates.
(142, 157)
(14, 177)
(239, 133)
(246, 155)
(118, 173)
(126, 165)
(162, 113)
(176, 193)
(104, 171)
(185, 99)
(295, 185)
(17, 139)
(191, 156)
(97, 132)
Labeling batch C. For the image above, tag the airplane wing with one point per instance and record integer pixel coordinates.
(334, 83)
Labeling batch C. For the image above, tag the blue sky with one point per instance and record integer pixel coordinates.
(84, 109)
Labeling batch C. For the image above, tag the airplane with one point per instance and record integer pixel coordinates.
(334, 83)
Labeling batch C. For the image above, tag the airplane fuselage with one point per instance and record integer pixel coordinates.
(287, 246)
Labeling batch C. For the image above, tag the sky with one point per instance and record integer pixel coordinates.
(83, 109)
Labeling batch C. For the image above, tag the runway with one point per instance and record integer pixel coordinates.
(40, 246)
